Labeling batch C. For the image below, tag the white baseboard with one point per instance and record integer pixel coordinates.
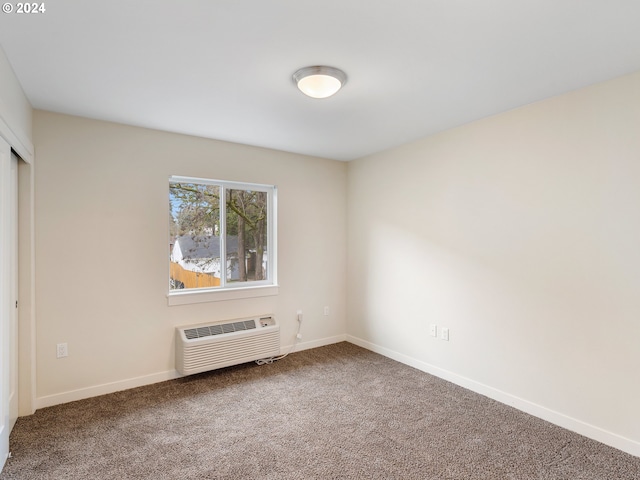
(94, 391)
(603, 436)
(298, 347)
(608, 438)
(82, 393)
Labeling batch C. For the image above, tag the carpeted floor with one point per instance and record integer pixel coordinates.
(336, 412)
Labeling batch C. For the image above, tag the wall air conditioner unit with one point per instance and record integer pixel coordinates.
(208, 346)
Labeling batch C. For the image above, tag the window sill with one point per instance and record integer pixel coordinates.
(203, 296)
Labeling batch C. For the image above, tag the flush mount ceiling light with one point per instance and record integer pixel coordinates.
(319, 81)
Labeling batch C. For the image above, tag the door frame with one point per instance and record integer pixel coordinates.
(22, 146)
(13, 288)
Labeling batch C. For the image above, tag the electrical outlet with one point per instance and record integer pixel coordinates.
(326, 311)
(444, 334)
(61, 350)
(433, 330)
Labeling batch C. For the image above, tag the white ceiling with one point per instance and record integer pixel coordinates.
(222, 69)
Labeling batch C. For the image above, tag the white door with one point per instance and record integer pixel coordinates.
(5, 297)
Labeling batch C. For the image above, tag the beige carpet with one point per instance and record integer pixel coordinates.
(336, 412)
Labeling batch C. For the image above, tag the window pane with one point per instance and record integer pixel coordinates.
(246, 213)
(195, 235)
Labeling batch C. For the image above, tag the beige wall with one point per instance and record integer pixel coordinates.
(521, 234)
(102, 249)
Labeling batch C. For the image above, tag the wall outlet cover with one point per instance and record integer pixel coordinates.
(444, 334)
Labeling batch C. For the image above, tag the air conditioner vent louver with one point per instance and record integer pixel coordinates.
(209, 330)
(209, 346)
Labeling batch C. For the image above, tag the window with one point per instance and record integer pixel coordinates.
(222, 235)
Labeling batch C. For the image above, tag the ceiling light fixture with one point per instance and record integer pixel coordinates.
(319, 81)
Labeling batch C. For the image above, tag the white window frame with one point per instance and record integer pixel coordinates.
(234, 290)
